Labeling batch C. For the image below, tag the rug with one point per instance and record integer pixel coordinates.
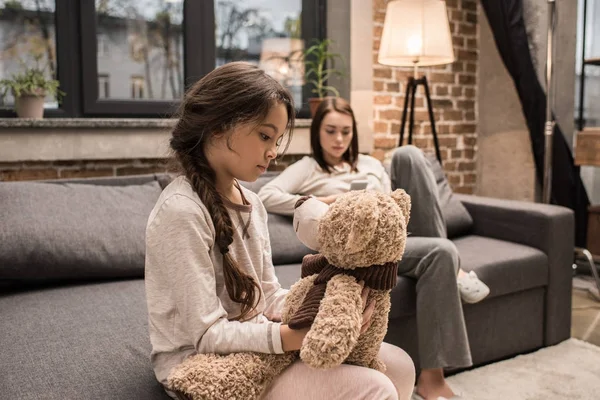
(568, 370)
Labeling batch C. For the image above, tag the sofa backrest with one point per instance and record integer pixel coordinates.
(458, 220)
(76, 229)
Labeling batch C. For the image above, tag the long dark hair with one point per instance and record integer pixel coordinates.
(232, 94)
(327, 105)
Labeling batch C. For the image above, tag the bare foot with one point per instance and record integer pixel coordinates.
(431, 384)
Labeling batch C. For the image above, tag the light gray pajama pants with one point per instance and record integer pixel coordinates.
(433, 261)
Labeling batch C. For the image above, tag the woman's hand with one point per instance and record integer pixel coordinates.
(368, 310)
(329, 199)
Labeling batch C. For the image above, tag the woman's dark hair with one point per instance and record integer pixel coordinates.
(233, 94)
(327, 105)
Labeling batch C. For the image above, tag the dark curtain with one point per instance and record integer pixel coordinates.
(508, 27)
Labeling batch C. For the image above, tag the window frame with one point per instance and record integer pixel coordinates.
(77, 62)
(94, 106)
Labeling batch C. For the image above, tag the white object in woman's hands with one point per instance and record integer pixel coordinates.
(359, 184)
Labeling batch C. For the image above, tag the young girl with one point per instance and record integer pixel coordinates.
(210, 282)
(429, 256)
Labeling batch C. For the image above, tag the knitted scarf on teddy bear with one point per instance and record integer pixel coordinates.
(376, 277)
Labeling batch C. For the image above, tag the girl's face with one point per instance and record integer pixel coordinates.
(246, 153)
(335, 136)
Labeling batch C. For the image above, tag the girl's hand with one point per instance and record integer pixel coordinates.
(276, 317)
(291, 339)
(368, 310)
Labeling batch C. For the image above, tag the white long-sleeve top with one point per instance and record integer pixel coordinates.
(306, 177)
(189, 309)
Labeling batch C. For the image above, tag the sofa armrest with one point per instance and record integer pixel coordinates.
(548, 228)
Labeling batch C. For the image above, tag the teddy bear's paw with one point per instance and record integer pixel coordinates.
(314, 358)
(324, 352)
(234, 376)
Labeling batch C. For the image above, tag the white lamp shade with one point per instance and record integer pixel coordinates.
(416, 33)
(282, 59)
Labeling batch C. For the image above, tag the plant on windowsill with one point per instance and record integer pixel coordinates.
(320, 65)
(29, 88)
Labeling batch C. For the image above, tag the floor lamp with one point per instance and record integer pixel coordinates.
(416, 33)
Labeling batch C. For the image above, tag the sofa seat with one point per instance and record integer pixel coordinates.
(506, 267)
(77, 341)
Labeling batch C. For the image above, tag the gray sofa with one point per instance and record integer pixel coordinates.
(72, 308)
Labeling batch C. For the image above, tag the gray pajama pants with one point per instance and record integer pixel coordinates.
(433, 261)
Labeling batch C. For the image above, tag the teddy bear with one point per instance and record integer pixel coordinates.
(359, 238)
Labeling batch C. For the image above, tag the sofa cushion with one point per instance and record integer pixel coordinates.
(285, 245)
(288, 274)
(58, 231)
(458, 220)
(505, 267)
(286, 248)
(77, 342)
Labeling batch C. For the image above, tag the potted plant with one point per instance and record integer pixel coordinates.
(320, 66)
(29, 88)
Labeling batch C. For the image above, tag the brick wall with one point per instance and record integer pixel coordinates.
(453, 91)
(78, 169)
(101, 168)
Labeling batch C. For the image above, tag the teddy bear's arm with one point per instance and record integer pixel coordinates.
(336, 327)
(295, 297)
(366, 351)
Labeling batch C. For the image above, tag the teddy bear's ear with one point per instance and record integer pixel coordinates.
(363, 224)
(403, 200)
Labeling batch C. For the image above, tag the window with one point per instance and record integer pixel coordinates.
(137, 87)
(587, 67)
(103, 47)
(135, 58)
(103, 86)
(27, 37)
(270, 37)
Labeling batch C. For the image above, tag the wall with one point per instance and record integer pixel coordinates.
(453, 91)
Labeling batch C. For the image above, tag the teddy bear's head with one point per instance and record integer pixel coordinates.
(360, 229)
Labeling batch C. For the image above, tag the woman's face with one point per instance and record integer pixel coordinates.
(335, 136)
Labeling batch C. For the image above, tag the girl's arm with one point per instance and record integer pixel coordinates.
(281, 194)
(180, 285)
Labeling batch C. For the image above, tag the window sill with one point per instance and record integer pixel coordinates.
(102, 123)
(61, 139)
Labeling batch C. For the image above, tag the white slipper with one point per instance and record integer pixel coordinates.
(472, 289)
